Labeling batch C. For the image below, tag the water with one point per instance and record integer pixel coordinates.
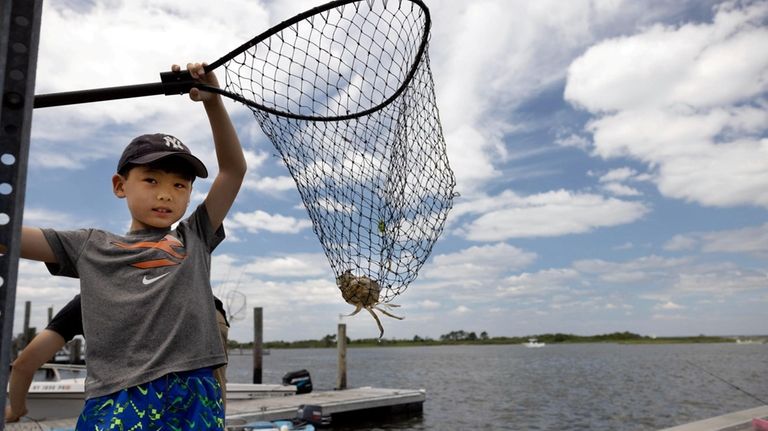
(558, 387)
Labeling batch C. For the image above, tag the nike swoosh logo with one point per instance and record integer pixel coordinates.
(146, 280)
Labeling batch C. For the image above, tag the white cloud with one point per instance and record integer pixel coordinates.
(617, 189)
(626, 246)
(613, 181)
(689, 101)
(462, 309)
(478, 263)
(50, 218)
(429, 305)
(721, 280)
(489, 61)
(294, 265)
(680, 242)
(542, 283)
(669, 305)
(645, 263)
(574, 140)
(553, 213)
(700, 65)
(258, 221)
(136, 41)
(745, 240)
(269, 184)
(650, 271)
(752, 239)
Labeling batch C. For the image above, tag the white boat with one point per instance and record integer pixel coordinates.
(533, 342)
(59, 391)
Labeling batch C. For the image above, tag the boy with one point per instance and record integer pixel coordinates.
(148, 310)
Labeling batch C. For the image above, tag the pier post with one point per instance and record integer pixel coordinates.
(75, 351)
(341, 343)
(25, 338)
(258, 333)
(50, 314)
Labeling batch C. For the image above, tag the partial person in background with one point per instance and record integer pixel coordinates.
(66, 325)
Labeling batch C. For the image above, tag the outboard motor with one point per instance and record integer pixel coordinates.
(300, 379)
(312, 414)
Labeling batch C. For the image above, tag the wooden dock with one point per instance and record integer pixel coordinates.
(333, 406)
(736, 421)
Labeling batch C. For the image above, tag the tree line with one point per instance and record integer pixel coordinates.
(471, 337)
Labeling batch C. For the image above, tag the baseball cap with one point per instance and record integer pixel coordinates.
(152, 147)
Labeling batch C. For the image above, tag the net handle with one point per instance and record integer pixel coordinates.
(181, 82)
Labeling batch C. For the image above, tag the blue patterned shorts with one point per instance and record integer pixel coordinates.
(189, 400)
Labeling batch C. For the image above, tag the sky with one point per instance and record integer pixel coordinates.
(611, 159)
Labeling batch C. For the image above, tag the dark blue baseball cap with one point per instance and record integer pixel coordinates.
(152, 147)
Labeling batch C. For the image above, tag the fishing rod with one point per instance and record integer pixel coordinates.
(753, 396)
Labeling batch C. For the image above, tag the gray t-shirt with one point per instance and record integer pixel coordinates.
(147, 303)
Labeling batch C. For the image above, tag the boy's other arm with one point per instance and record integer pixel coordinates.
(229, 153)
(39, 351)
(34, 245)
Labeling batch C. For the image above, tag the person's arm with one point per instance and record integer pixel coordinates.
(39, 351)
(34, 245)
(229, 153)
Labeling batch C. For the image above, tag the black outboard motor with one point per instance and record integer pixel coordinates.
(312, 414)
(300, 379)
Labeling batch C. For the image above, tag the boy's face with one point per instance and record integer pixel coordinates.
(155, 198)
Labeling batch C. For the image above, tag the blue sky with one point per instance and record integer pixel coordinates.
(611, 156)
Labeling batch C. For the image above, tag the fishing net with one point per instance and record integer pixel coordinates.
(346, 96)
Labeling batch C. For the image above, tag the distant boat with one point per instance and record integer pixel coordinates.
(61, 392)
(533, 342)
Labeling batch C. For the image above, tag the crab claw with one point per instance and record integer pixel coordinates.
(388, 313)
(357, 310)
(378, 322)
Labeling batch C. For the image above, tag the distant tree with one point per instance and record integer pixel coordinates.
(472, 336)
(329, 340)
(483, 335)
(417, 339)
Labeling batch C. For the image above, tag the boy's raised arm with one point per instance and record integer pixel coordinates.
(229, 153)
(34, 245)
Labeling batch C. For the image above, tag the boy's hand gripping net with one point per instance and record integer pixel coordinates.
(350, 107)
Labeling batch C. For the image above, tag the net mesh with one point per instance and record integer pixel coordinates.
(347, 98)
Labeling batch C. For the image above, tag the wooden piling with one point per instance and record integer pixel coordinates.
(258, 333)
(341, 344)
(27, 311)
(50, 314)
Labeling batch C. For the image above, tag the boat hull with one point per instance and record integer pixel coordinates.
(64, 399)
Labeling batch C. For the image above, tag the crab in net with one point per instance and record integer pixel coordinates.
(364, 293)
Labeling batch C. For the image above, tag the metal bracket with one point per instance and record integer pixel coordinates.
(19, 37)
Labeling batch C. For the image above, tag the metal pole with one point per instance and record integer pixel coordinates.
(341, 343)
(19, 37)
(257, 341)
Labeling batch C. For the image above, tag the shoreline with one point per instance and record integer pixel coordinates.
(548, 339)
